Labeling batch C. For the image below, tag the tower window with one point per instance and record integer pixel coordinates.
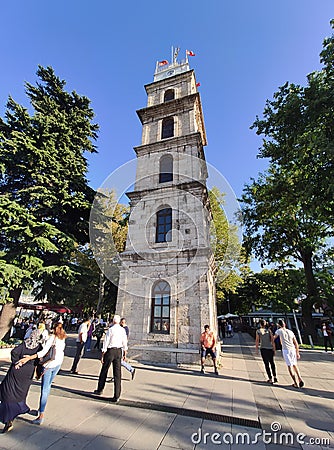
(160, 314)
(166, 169)
(164, 225)
(169, 95)
(167, 128)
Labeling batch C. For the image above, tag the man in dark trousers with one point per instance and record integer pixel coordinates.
(114, 344)
(81, 340)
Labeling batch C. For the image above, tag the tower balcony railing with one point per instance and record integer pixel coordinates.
(160, 68)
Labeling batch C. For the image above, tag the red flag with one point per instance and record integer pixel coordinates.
(190, 53)
(163, 63)
(198, 84)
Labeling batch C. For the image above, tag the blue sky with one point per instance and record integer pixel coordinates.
(107, 50)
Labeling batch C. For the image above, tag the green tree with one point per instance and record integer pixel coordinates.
(44, 195)
(275, 289)
(288, 211)
(82, 290)
(228, 252)
(108, 232)
(324, 271)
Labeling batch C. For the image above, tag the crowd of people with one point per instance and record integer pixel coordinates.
(269, 337)
(41, 354)
(225, 328)
(43, 348)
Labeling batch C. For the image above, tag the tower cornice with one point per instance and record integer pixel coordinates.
(168, 108)
(195, 187)
(171, 144)
(133, 255)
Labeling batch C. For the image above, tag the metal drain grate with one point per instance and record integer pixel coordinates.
(198, 414)
(184, 412)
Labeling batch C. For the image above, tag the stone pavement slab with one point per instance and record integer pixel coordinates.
(168, 407)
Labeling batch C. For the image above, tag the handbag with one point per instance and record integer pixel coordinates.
(39, 371)
(49, 355)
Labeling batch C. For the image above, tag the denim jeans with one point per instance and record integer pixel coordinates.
(47, 379)
(127, 365)
(88, 343)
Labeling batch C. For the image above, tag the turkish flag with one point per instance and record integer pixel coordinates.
(198, 84)
(190, 53)
(163, 63)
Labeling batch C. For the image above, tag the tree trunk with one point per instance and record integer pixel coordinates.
(311, 298)
(101, 295)
(8, 314)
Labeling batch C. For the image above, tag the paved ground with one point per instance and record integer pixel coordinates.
(169, 408)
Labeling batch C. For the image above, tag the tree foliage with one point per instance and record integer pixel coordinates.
(275, 289)
(44, 194)
(108, 233)
(228, 252)
(288, 211)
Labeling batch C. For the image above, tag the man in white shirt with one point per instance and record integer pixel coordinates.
(81, 339)
(290, 352)
(115, 343)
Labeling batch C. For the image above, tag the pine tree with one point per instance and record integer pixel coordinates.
(44, 194)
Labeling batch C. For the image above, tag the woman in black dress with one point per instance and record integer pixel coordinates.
(15, 386)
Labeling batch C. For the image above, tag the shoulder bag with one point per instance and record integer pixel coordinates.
(49, 356)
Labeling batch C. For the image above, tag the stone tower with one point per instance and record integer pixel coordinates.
(166, 286)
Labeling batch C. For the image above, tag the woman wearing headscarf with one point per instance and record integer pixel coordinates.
(51, 368)
(15, 386)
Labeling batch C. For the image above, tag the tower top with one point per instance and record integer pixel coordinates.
(164, 69)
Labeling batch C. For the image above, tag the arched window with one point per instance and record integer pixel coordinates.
(169, 95)
(166, 169)
(160, 315)
(167, 128)
(164, 225)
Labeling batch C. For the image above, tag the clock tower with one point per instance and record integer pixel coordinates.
(167, 286)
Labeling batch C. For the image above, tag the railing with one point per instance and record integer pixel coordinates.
(170, 65)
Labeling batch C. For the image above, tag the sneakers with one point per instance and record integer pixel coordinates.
(38, 421)
(115, 400)
(97, 392)
(275, 380)
(133, 373)
(301, 383)
(8, 427)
